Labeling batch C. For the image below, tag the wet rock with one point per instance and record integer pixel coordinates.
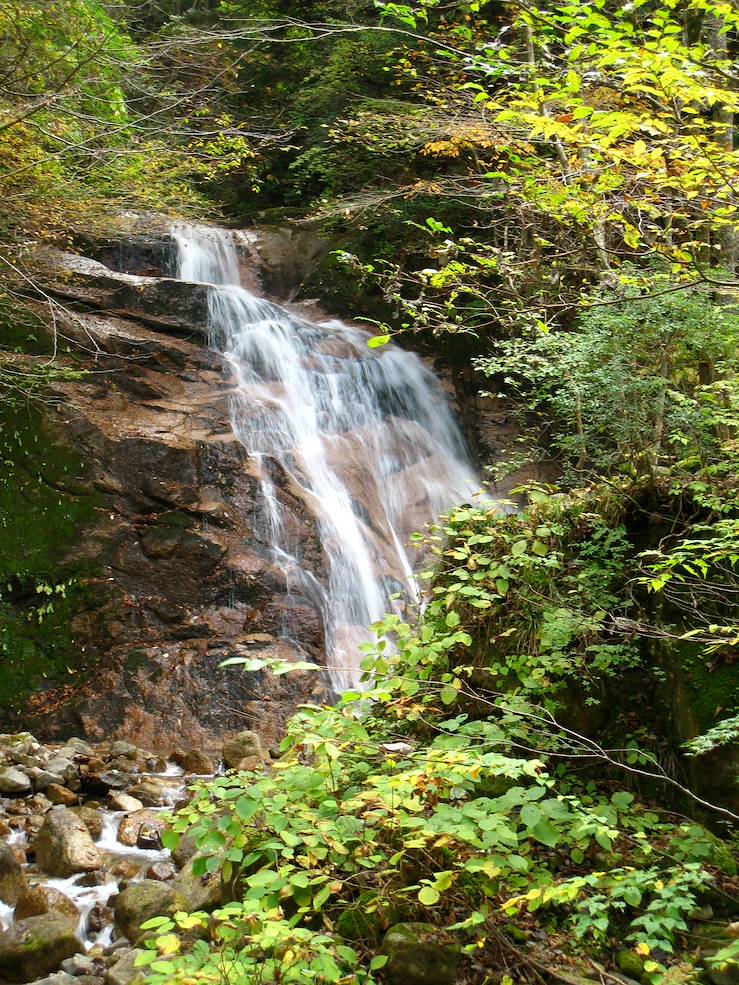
(418, 954)
(33, 947)
(60, 795)
(125, 802)
(33, 825)
(92, 819)
(244, 745)
(14, 781)
(124, 971)
(112, 780)
(162, 872)
(204, 892)
(150, 835)
(12, 877)
(130, 828)
(36, 900)
(141, 901)
(64, 846)
(152, 791)
(126, 870)
(98, 917)
(197, 762)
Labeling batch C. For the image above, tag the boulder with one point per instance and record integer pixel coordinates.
(64, 846)
(83, 964)
(419, 954)
(65, 769)
(152, 791)
(92, 819)
(124, 971)
(144, 822)
(58, 794)
(143, 900)
(41, 778)
(79, 747)
(61, 978)
(124, 802)
(36, 946)
(35, 900)
(204, 892)
(13, 781)
(127, 749)
(12, 877)
(197, 762)
(184, 850)
(162, 872)
(244, 745)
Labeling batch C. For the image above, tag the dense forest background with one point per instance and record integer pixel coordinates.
(540, 782)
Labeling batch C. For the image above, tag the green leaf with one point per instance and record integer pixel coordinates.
(428, 896)
(157, 922)
(378, 340)
(530, 815)
(452, 619)
(546, 833)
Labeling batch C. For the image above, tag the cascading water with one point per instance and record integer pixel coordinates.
(365, 435)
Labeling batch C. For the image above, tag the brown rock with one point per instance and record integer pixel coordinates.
(63, 846)
(197, 762)
(130, 828)
(124, 802)
(32, 948)
(60, 795)
(12, 877)
(245, 745)
(161, 872)
(141, 901)
(35, 900)
(152, 791)
(92, 819)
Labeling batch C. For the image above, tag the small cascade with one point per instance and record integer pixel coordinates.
(366, 438)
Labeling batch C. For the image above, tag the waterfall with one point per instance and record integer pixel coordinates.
(366, 437)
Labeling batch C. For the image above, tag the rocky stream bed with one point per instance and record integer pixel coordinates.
(82, 864)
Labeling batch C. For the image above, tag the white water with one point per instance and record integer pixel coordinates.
(85, 898)
(364, 436)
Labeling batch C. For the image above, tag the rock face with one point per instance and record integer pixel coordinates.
(180, 581)
(34, 947)
(174, 552)
(64, 846)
